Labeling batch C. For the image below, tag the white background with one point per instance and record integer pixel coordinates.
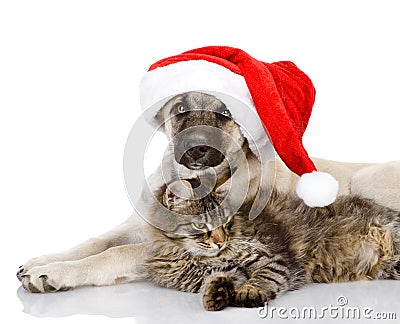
(69, 76)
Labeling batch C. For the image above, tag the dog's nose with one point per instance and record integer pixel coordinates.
(198, 152)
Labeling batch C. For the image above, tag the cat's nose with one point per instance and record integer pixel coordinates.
(220, 244)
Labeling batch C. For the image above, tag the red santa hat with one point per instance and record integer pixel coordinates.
(279, 94)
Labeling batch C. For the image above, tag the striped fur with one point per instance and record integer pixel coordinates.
(285, 247)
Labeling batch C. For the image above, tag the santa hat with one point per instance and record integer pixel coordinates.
(279, 94)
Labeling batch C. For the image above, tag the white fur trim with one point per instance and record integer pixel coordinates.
(161, 84)
(317, 189)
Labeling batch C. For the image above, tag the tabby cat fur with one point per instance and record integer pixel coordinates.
(246, 262)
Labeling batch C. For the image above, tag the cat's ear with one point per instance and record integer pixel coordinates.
(177, 193)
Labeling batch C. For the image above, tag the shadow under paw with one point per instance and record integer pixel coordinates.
(218, 293)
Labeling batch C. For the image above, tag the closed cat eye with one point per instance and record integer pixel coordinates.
(200, 226)
(229, 223)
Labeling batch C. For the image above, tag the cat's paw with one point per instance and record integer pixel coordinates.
(49, 278)
(252, 296)
(218, 292)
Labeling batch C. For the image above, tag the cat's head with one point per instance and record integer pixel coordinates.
(207, 232)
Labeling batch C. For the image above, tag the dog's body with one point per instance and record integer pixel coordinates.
(117, 256)
(377, 181)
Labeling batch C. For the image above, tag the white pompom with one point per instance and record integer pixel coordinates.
(317, 189)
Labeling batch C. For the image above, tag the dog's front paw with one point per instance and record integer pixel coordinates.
(252, 296)
(49, 278)
(33, 263)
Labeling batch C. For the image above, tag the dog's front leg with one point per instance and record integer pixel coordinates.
(131, 231)
(115, 265)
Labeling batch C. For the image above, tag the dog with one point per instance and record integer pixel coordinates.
(207, 144)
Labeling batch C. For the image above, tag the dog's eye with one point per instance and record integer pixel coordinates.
(227, 113)
(180, 108)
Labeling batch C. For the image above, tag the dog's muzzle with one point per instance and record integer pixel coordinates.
(201, 157)
(197, 150)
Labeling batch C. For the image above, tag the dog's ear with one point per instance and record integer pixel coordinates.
(160, 119)
(177, 193)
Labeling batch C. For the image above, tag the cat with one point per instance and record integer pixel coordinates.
(246, 263)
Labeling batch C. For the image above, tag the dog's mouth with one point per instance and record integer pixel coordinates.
(200, 157)
(196, 166)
